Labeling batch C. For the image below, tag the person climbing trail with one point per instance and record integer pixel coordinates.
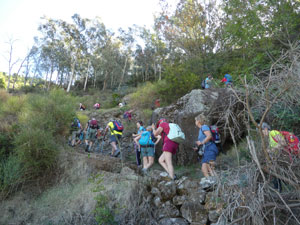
(75, 131)
(91, 129)
(147, 141)
(81, 107)
(169, 147)
(116, 128)
(137, 149)
(209, 149)
(227, 79)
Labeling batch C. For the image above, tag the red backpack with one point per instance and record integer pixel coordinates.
(94, 124)
(292, 141)
(118, 126)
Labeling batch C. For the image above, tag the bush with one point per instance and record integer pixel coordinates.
(37, 151)
(145, 96)
(11, 173)
(13, 105)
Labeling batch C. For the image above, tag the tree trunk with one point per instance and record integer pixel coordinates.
(87, 75)
(49, 83)
(71, 76)
(159, 72)
(123, 74)
(105, 81)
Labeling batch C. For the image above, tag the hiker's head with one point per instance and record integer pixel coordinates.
(160, 121)
(200, 120)
(265, 128)
(139, 124)
(149, 128)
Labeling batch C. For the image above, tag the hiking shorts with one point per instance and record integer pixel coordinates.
(112, 138)
(170, 146)
(210, 153)
(147, 151)
(75, 133)
(91, 135)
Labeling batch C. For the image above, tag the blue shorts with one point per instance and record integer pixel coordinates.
(147, 151)
(112, 138)
(210, 153)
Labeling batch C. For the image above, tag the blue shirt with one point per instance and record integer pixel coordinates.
(201, 135)
(207, 82)
(141, 129)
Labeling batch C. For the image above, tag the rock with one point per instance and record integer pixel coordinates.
(213, 202)
(173, 221)
(214, 215)
(197, 196)
(167, 190)
(194, 212)
(129, 173)
(167, 210)
(155, 191)
(184, 111)
(187, 186)
(157, 201)
(221, 221)
(179, 200)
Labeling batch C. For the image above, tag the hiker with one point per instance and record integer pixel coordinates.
(210, 150)
(157, 103)
(92, 129)
(147, 141)
(169, 147)
(137, 149)
(81, 106)
(208, 81)
(227, 80)
(75, 131)
(121, 105)
(97, 106)
(281, 140)
(116, 128)
(128, 115)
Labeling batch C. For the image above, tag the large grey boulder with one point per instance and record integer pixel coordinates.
(194, 212)
(173, 221)
(213, 104)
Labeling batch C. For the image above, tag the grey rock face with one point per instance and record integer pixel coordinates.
(173, 221)
(194, 212)
(211, 103)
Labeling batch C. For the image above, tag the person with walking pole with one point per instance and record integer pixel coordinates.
(116, 128)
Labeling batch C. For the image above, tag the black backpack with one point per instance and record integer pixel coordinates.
(203, 84)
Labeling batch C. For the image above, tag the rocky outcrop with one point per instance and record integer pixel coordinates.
(215, 104)
(183, 201)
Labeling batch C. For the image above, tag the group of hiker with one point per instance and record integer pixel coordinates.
(207, 82)
(207, 145)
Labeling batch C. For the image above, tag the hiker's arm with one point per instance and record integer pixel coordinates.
(136, 140)
(157, 131)
(207, 138)
(157, 140)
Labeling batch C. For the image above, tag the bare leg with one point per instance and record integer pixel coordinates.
(150, 162)
(205, 169)
(114, 147)
(165, 160)
(145, 162)
(212, 168)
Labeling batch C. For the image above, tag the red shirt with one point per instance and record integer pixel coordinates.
(165, 132)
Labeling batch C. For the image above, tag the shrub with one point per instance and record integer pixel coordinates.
(14, 105)
(11, 174)
(145, 96)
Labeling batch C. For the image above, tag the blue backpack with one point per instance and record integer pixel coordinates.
(146, 139)
(228, 77)
(118, 126)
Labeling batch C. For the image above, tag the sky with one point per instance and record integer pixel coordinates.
(19, 19)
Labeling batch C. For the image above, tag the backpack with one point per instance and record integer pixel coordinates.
(228, 77)
(216, 137)
(175, 133)
(75, 124)
(292, 141)
(146, 139)
(118, 126)
(203, 84)
(94, 124)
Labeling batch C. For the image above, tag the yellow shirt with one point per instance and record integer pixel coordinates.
(272, 136)
(111, 126)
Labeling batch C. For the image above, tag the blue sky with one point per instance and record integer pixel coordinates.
(19, 19)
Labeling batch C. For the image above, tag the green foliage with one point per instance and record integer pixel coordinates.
(11, 173)
(145, 96)
(179, 81)
(2, 81)
(103, 213)
(14, 105)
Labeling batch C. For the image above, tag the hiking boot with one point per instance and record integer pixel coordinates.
(144, 171)
(175, 177)
(86, 148)
(117, 153)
